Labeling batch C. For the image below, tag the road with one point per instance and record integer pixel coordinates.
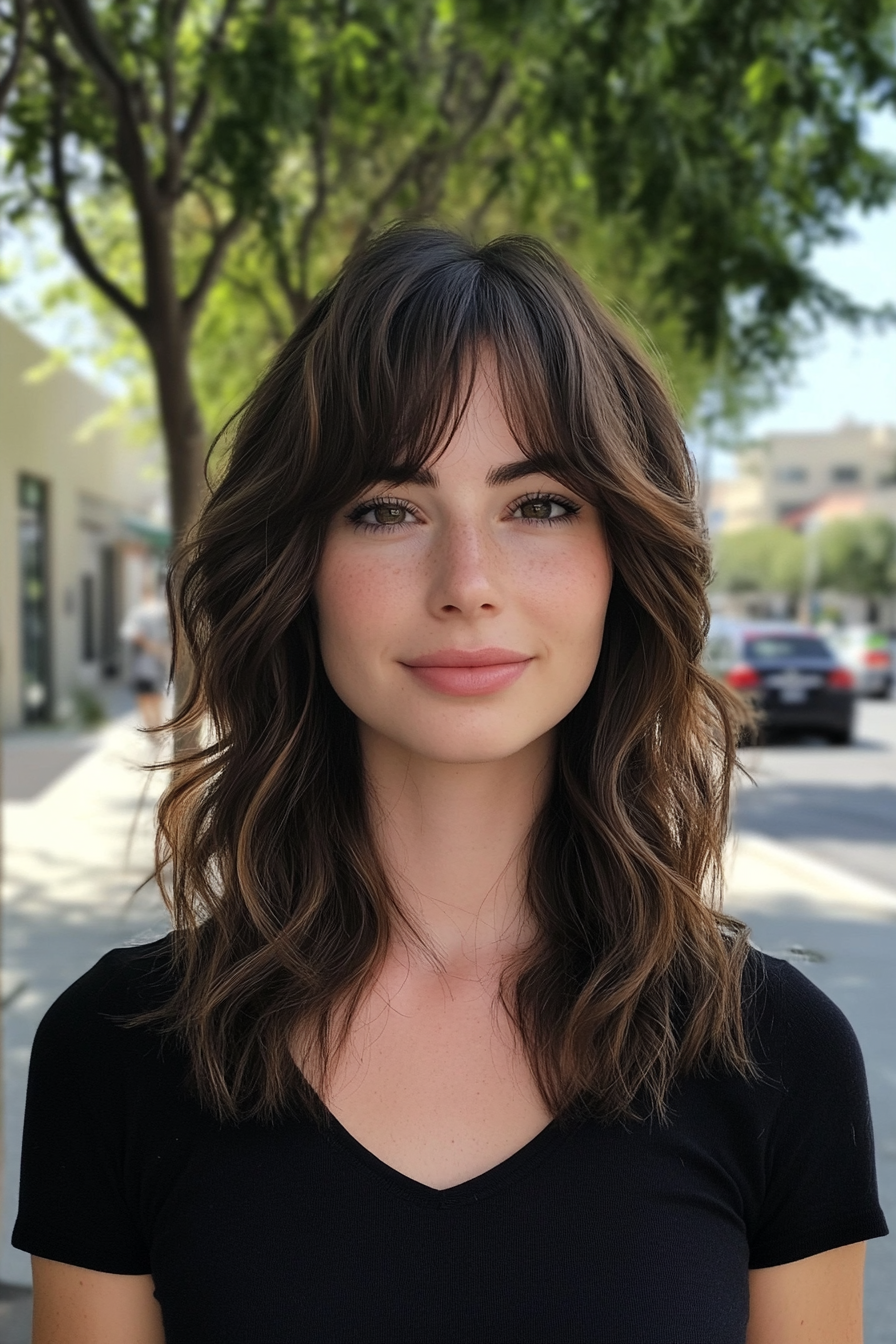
(838, 803)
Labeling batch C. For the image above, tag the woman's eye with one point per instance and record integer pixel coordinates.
(380, 513)
(386, 514)
(545, 509)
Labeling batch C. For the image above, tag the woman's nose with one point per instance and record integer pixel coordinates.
(466, 569)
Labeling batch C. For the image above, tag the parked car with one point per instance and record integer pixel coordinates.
(866, 652)
(790, 674)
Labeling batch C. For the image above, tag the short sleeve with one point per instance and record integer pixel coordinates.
(821, 1187)
(73, 1200)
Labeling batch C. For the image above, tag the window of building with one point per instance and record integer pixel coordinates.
(34, 597)
(845, 475)
(109, 614)
(88, 618)
(792, 474)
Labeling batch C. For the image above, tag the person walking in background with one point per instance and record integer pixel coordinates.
(147, 632)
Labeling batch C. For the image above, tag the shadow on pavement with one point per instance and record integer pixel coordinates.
(15, 1314)
(29, 767)
(795, 811)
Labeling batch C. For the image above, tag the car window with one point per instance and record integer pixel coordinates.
(762, 648)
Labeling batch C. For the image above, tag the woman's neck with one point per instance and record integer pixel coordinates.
(452, 837)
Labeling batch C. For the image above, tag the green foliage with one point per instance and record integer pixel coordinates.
(89, 710)
(732, 130)
(217, 160)
(770, 559)
(858, 555)
(849, 555)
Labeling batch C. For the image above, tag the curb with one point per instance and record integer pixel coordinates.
(838, 883)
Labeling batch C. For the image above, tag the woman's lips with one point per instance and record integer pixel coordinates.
(477, 678)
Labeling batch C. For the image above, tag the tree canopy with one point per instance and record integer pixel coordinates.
(770, 559)
(858, 555)
(849, 555)
(208, 163)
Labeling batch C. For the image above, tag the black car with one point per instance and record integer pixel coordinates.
(788, 672)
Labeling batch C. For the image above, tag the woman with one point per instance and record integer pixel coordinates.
(449, 1043)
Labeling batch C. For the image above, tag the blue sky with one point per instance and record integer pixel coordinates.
(846, 374)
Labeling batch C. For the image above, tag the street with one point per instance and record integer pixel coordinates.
(838, 806)
(838, 803)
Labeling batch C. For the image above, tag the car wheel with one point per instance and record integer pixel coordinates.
(840, 737)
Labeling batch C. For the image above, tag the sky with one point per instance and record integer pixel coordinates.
(848, 375)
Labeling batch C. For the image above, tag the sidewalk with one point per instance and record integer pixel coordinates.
(764, 875)
(74, 854)
(76, 849)
(840, 931)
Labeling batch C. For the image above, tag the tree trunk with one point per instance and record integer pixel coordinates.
(182, 427)
(183, 432)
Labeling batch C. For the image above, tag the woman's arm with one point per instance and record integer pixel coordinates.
(82, 1306)
(813, 1301)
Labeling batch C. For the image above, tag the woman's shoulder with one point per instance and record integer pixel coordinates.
(794, 1024)
(124, 984)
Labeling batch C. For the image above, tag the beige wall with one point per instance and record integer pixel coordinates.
(785, 472)
(797, 469)
(93, 480)
(735, 505)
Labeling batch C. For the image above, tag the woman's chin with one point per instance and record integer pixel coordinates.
(473, 747)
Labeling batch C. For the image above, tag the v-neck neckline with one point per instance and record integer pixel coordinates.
(479, 1187)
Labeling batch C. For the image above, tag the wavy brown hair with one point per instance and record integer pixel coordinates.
(282, 908)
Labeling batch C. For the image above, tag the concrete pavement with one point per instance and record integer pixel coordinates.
(838, 803)
(74, 856)
(840, 930)
(78, 846)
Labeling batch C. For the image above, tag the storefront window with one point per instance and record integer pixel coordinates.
(34, 598)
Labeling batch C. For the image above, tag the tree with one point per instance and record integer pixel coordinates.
(15, 22)
(209, 162)
(769, 559)
(858, 555)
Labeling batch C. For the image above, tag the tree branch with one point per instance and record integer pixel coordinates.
(199, 109)
(211, 265)
(428, 162)
(83, 32)
(279, 332)
(80, 27)
(291, 292)
(476, 217)
(177, 15)
(404, 173)
(319, 146)
(169, 18)
(72, 237)
(7, 79)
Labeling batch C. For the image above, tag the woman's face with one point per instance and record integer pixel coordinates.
(487, 571)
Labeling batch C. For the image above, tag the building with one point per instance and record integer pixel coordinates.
(81, 525)
(737, 504)
(799, 469)
(784, 478)
(843, 504)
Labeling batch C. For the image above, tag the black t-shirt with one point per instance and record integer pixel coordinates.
(293, 1233)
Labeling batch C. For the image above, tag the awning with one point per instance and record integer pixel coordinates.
(159, 538)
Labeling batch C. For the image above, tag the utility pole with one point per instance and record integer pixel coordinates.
(811, 529)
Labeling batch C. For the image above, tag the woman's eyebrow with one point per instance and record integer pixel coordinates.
(542, 464)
